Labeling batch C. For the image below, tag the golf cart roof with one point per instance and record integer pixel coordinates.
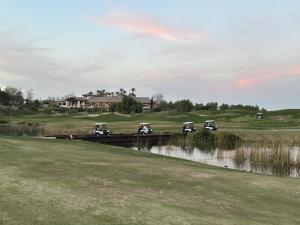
(209, 121)
(259, 113)
(188, 123)
(100, 124)
(144, 123)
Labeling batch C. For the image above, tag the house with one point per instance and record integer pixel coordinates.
(49, 103)
(73, 102)
(103, 102)
(106, 102)
(100, 102)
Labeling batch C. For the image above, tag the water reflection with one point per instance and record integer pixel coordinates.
(228, 159)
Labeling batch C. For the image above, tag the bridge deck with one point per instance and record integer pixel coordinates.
(119, 139)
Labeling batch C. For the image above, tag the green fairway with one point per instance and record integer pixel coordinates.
(72, 182)
(81, 123)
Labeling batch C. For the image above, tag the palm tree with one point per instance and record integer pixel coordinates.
(101, 93)
(132, 92)
(122, 92)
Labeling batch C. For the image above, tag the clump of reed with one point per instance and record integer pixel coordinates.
(240, 156)
(226, 140)
(268, 138)
(297, 162)
(207, 140)
(21, 130)
(276, 157)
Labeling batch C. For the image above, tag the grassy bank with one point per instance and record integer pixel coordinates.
(69, 182)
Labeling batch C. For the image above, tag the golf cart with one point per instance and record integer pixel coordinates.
(259, 115)
(210, 125)
(188, 127)
(100, 129)
(144, 128)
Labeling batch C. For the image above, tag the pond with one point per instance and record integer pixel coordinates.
(263, 160)
(224, 150)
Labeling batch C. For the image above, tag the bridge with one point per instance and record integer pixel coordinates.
(124, 140)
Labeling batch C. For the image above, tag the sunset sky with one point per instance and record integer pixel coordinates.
(228, 51)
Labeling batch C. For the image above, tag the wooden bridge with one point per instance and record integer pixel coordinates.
(126, 140)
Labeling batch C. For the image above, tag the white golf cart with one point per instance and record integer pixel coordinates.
(259, 115)
(188, 127)
(100, 129)
(144, 128)
(210, 125)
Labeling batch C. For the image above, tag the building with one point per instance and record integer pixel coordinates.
(73, 102)
(100, 102)
(103, 102)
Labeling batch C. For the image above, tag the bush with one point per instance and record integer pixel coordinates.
(184, 106)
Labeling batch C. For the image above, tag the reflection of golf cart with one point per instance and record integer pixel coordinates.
(100, 129)
(188, 127)
(259, 116)
(144, 128)
(210, 125)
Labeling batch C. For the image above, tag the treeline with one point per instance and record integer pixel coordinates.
(104, 93)
(187, 106)
(13, 98)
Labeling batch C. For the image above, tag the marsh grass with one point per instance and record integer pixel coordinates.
(274, 155)
(240, 156)
(207, 140)
(21, 130)
(31, 129)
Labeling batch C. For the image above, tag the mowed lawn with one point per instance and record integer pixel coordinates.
(73, 182)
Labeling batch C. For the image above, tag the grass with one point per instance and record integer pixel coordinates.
(72, 182)
(237, 121)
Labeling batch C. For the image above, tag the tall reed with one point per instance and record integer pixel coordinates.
(206, 140)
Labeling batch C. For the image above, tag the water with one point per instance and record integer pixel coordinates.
(227, 159)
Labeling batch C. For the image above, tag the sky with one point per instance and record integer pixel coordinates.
(229, 51)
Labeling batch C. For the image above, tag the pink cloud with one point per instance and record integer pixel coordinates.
(144, 26)
(3, 61)
(250, 81)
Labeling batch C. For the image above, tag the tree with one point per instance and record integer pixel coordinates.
(89, 94)
(16, 96)
(184, 105)
(122, 92)
(212, 106)
(113, 107)
(101, 93)
(29, 97)
(129, 105)
(33, 105)
(158, 98)
(200, 106)
(224, 106)
(132, 90)
(4, 98)
(11, 90)
(151, 103)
